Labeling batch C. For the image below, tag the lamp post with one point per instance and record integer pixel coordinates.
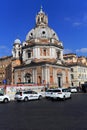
(5, 82)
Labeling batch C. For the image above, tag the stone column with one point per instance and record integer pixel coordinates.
(46, 75)
(54, 75)
(63, 78)
(35, 76)
(61, 55)
(38, 51)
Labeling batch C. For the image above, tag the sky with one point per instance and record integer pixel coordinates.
(68, 18)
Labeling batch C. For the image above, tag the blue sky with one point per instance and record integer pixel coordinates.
(68, 18)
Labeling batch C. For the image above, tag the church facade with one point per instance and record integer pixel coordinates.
(39, 59)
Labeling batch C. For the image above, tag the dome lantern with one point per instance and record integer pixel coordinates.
(17, 41)
(41, 18)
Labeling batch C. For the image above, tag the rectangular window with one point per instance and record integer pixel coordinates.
(71, 69)
(29, 54)
(72, 76)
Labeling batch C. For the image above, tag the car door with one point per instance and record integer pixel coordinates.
(34, 95)
(30, 95)
(1, 97)
(66, 93)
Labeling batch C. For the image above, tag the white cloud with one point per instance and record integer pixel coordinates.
(66, 51)
(3, 47)
(82, 50)
(73, 21)
(77, 23)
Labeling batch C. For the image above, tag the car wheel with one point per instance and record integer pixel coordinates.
(5, 100)
(40, 97)
(64, 98)
(70, 97)
(26, 99)
(18, 100)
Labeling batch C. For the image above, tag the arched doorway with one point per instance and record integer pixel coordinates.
(59, 80)
(28, 78)
(72, 84)
(19, 80)
(39, 79)
(51, 79)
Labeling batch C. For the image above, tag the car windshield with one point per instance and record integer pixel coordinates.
(65, 90)
(50, 90)
(1, 94)
(18, 93)
(33, 92)
(28, 92)
(57, 90)
(73, 87)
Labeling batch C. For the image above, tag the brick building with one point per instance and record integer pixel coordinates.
(5, 70)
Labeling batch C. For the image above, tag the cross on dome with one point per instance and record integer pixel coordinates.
(41, 9)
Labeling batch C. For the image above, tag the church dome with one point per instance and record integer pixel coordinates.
(17, 41)
(41, 30)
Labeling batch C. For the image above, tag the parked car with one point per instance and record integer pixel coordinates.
(48, 93)
(27, 95)
(4, 98)
(61, 93)
(84, 87)
(73, 89)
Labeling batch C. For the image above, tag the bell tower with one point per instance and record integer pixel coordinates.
(16, 53)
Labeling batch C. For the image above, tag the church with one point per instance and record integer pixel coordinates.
(39, 59)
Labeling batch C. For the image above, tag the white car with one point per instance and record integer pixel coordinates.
(27, 95)
(4, 98)
(48, 93)
(73, 89)
(61, 93)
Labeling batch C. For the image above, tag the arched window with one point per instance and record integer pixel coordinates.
(44, 52)
(66, 79)
(41, 19)
(38, 20)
